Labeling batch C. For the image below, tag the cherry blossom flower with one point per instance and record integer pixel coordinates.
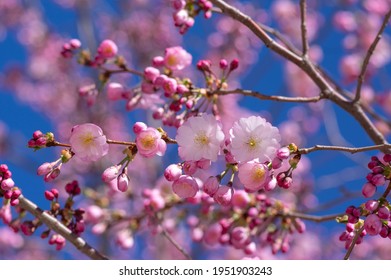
(254, 138)
(107, 49)
(253, 175)
(149, 142)
(88, 142)
(200, 138)
(185, 186)
(176, 58)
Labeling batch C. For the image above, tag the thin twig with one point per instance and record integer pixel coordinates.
(176, 245)
(370, 51)
(56, 226)
(313, 218)
(356, 236)
(303, 16)
(351, 150)
(261, 96)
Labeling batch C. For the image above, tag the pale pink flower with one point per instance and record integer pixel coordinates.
(200, 138)
(88, 142)
(253, 175)
(107, 49)
(176, 58)
(149, 143)
(254, 138)
(185, 186)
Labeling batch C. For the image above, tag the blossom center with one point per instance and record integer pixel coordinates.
(148, 142)
(202, 139)
(171, 60)
(253, 142)
(258, 174)
(87, 139)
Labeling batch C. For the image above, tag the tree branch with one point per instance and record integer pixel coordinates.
(270, 97)
(303, 16)
(343, 149)
(370, 51)
(309, 68)
(313, 218)
(356, 236)
(176, 245)
(56, 226)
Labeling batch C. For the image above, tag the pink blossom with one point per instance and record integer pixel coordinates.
(253, 175)
(88, 142)
(151, 73)
(176, 58)
(223, 196)
(123, 182)
(172, 172)
(185, 186)
(149, 143)
(107, 49)
(373, 224)
(368, 190)
(110, 173)
(211, 185)
(114, 91)
(254, 138)
(199, 138)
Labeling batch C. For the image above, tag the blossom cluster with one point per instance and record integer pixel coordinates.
(252, 149)
(186, 11)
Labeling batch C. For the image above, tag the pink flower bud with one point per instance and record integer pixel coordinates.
(49, 195)
(114, 91)
(107, 49)
(158, 61)
(45, 168)
(110, 173)
(211, 185)
(373, 224)
(234, 64)
(139, 126)
(283, 153)
(378, 180)
(151, 73)
(75, 43)
(383, 212)
(7, 184)
(368, 190)
(223, 64)
(172, 172)
(185, 186)
(189, 167)
(123, 182)
(223, 196)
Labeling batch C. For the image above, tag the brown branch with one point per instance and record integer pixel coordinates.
(309, 68)
(343, 149)
(56, 226)
(108, 141)
(303, 16)
(176, 245)
(313, 218)
(270, 97)
(370, 51)
(356, 236)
